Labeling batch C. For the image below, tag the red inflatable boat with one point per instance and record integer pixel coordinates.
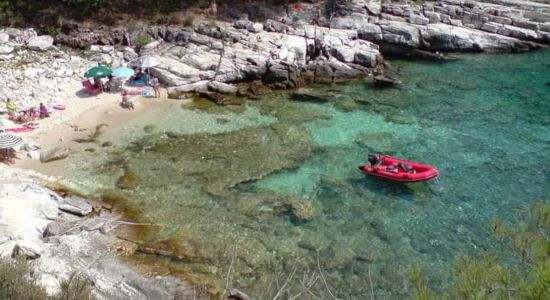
(397, 169)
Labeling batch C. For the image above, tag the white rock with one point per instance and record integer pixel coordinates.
(34, 155)
(95, 48)
(255, 27)
(417, 19)
(40, 43)
(6, 50)
(31, 146)
(151, 45)
(4, 38)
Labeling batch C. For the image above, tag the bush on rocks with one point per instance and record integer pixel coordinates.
(16, 284)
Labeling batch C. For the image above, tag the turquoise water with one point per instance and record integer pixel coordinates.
(273, 186)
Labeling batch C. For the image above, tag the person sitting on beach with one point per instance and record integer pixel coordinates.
(126, 102)
(32, 114)
(43, 111)
(10, 107)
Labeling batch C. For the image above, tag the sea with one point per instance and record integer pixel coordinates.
(266, 196)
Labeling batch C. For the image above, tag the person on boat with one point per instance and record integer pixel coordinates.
(375, 160)
(407, 168)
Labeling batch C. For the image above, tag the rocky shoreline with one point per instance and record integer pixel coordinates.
(219, 61)
(60, 234)
(284, 49)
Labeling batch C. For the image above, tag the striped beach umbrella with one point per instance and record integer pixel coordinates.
(9, 141)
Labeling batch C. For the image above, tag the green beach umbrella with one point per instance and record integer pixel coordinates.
(98, 72)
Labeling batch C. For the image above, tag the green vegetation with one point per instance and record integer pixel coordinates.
(524, 275)
(16, 284)
(54, 13)
(142, 40)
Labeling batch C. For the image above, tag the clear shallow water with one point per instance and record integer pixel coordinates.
(276, 185)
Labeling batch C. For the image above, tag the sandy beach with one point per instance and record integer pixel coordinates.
(80, 118)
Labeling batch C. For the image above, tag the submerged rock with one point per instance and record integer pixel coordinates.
(303, 211)
(128, 181)
(54, 154)
(310, 95)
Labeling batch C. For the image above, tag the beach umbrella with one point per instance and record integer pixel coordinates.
(9, 141)
(122, 72)
(98, 72)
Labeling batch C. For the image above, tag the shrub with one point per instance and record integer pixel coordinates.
(188, 20)
(15, 284)
(76, 287)
(528, 277)
(142, 40)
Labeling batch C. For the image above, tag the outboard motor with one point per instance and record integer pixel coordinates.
(373, 159)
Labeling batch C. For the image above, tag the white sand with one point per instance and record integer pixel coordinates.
(78, 120)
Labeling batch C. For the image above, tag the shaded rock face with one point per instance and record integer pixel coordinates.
(77, 36)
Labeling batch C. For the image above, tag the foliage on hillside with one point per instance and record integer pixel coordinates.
(526, 275)
(52, 12)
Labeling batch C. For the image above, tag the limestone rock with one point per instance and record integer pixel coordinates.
(40, 43)
(242, 24)
(417, 19)
(6, 50)
(400, 34)
(26, 251)
(31, 146)
(4, 38)
(60, 227)
(34, 155)
(54, 154)
(187, 88)
(76, 205)
(221, 87)
(255, 27)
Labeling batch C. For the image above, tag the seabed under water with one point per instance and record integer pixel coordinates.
(273, 185)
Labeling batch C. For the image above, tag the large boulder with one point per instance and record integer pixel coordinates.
(353, 21)
(61, 227)
(445, 37)
(255, 27)
(4, 38)
(343, 53)
(400, 34)
(26, 251)
(222, 88)
(54, 154)
(188, 88)
(517, 32)
(370, 32)
(6, 50)
(40, 43)
(75, 205)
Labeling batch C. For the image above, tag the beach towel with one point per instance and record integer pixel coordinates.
(18, 129)
(147, 92)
